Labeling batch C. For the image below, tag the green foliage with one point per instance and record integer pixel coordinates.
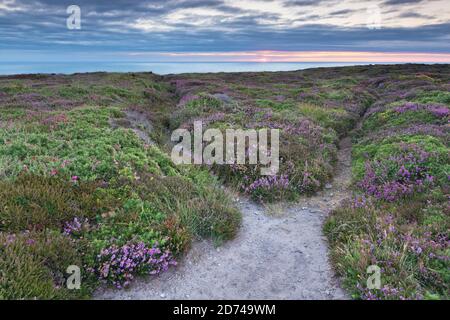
(84, 146)
(55, 127)
(392, 119)
(407, 236)
(203, 104)
(407, 247)
(337, 119)
(75, 185)
(33, 266)
(437, 164)
(37, 203)
(14, 87)
(197, 201)
(72, 92)
(434, 97)
(263, 103)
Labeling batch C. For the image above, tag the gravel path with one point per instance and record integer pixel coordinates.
(279, 253)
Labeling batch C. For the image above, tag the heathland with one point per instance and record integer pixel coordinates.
(86, 177)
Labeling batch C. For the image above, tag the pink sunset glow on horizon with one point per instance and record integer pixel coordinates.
(313, 56)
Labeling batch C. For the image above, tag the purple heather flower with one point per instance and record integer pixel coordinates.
(117, 264)
(438, 111)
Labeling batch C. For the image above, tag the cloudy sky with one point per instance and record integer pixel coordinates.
(227, 30)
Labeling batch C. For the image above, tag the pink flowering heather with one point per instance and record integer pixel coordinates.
(269, 183)
(118, 264)
(439, 111)
(308, 182)
(407, 107)
(397, 176)
(54, 120)
(267, 187)
(75, 226)
(359, 201)
(385, 293)
(186, 99)
(427, 244)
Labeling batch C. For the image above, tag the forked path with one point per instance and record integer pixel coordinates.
(280, 252)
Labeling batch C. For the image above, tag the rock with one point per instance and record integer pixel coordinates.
(328, 186)
(304, 208)
(163, 295)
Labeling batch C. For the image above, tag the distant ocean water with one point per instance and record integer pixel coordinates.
(159, 67)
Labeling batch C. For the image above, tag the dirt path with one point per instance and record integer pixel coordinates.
(279, 253)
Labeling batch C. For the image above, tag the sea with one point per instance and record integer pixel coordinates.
(162, 68)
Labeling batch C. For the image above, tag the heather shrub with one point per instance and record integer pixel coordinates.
(193, 106)
(434, 97)
(269, 188)
(338, 119)
(310, 112)
(83, 146)
(413, 254)
(118, 265)
(72, 92)
(398, 218)
(406, 114)
(122, 228)
(197, 201)
(275, 105)
(33, 266)
(400, 166)
(35, 203)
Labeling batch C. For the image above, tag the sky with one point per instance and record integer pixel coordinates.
(226, 30)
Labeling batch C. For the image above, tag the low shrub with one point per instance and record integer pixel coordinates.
(399, 217)
(33, 266)
(412, 252)
(118, 265)
(33, 202)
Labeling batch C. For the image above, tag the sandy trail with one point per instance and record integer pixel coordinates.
(280, 252)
